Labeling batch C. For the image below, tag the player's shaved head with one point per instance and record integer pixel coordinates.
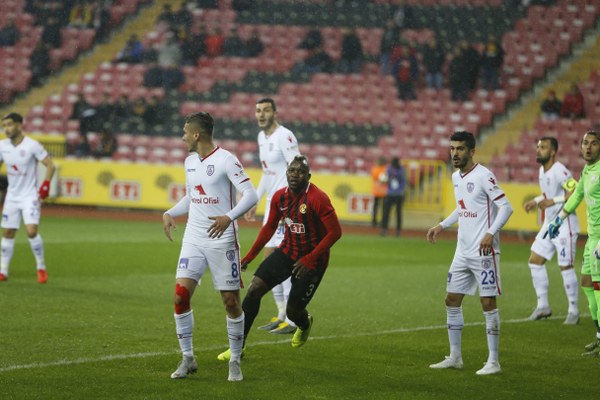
(201, 121)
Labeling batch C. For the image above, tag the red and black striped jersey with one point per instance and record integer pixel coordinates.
(311, 226)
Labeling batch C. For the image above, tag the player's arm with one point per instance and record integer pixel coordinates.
(553, 227)
(448, 222)
(265, 234)
(242, 184)
(289, 146)
(181, 208)
(334, 233)
(568, 186)
(44, 190)
(505, 210)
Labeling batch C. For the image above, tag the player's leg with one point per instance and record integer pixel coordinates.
(541, 250)
(287, 326)
(272, 271)
(11, 220)
(278, 290)
(460, 282)
(565, 250)
(488, 272)
(301, 293)
(588, 289)
(595, 352)
(31, 218)
(190, 268)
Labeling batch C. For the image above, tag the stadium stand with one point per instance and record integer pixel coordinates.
(344, 121)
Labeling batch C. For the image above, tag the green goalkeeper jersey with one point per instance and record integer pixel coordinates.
(588, 188)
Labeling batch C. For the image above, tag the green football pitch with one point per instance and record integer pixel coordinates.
(102, 327)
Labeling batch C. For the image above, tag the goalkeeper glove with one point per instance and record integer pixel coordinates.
(553, 228)
(44, 190)
(597, 250)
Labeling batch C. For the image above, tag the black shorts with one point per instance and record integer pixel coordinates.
(278, 267)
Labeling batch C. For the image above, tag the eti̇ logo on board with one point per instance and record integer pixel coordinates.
(71, 188)
(125, 190)
(176, 191)
(359, 203)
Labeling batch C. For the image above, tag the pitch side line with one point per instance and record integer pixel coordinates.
(77, 361)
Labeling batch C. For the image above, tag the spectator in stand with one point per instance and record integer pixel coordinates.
(472, 63)
(85, 113)
(153, 77)
(573, 104)
(242, 5)
(312, 40)
(51, 32)
(352, 52)
(183, 18)
(213, 43)
(9, 34)
(388, 41)
(317, 60)
(81, 15)
(132, 52)
(433, 62)
(138, 109)
(104, 117)
(403, 17)
(172, 77)
(166, 16)
(169, 52)
(233, 44)
(106, 146)
(458, 75)
(551, 107)
(406, 73)
(253, 46)
(101, 21)
(192, 47)
(40, 64)
(121, 109)
(491, 62)
(155, 112)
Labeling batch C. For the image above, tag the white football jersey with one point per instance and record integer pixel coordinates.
(21, 166)
(551, 184)
(211, 185)
(478, 197)
(275, 153)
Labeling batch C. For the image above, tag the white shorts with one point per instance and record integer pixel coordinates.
(28, 207)
(468, 274)
(277, 237)
(224, 265)
(564, 245)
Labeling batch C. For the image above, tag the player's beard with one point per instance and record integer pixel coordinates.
(541, 160)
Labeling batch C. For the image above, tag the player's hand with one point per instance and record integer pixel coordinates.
(553, 228)
(546, 203)
(168, 223)
(299, 269)
(44, 190)
(250, 215)
(219, 226)
(433, 232)
(244, 264)
(597, 250)
(485, 247)
(530, 205)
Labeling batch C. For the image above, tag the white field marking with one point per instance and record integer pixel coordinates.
(263, 343)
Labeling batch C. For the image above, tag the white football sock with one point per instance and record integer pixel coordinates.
(539, 276)
(235, 333)
(8, 249)
(456, 322)
(571, 289)
(37, 247)
(184, 324)
(492, 328)
(280, 301)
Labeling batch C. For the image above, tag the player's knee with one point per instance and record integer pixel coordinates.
(257, 289)
(182, 299)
